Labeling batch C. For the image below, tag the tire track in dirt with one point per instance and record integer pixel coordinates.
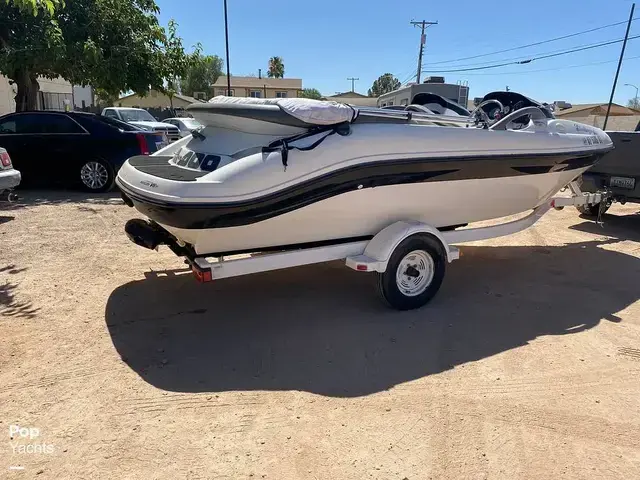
(186, 401)
(567, 424)
(49, 380)
(598, 378)
(633, 353)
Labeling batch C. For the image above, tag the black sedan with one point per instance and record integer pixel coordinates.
(73, 147)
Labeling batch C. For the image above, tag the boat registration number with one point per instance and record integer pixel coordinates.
(623, 182)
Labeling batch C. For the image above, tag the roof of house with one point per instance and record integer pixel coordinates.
(626, 123)
(186, 98)
(347, 95)
(596, 109)
(255, 82)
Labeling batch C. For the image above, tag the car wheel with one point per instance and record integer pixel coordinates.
(97, 176)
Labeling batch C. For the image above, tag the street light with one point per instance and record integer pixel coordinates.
(635, 101)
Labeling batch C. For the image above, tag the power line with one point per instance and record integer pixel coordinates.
(534, 44)
(526, 57)
(409, 77)
(353, 83)
(529, 60)
(568, 67)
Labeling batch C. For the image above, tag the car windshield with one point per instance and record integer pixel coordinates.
(136, 116)
(191, 123)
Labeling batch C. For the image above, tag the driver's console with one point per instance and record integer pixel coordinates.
(511, 102)
(497, 105)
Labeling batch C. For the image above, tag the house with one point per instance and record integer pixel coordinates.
(259, 87)
(620, 117)
(55, 94)
(155, 99)
(353, 98)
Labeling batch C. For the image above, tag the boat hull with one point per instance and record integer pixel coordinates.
(366, 211)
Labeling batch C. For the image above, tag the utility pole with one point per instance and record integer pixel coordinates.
(423, 39)
(353, 83)
(615, 80)
(226, 43)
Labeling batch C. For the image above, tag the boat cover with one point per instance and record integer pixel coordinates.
(315, 112)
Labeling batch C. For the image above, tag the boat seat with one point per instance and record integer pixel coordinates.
(439, 104)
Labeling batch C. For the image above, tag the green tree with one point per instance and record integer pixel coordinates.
(276, 68)
(176, 62)
(384, 84)
(310, 93)
(105, 99)
(112, 45)
(634, 103)
(202, 73)
(32, 6)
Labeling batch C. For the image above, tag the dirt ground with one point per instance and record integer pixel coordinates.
(525, 365)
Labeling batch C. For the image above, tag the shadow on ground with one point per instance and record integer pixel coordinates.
(29, 198)
(320, 329)
(622, 227)
(9, 306)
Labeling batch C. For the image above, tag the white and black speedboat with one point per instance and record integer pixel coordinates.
(271, 174)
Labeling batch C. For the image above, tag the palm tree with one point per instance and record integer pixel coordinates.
(276, 67)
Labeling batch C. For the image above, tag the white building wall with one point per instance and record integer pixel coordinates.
(8, 92)
(81, 94)
(7, 95)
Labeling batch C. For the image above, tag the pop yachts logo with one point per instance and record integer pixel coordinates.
(19, 435)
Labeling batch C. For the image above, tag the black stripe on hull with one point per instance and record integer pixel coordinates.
(378, 174)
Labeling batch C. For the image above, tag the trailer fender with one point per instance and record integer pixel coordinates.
(379, 249)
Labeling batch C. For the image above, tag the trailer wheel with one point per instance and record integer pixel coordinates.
(414, 273)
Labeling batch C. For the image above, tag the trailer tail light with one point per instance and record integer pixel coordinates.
(142, 143)
(5, 159)
(201, 275)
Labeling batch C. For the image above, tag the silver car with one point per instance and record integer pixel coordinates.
(9, 177)
(184, 124)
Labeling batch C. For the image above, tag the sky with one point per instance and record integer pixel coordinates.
(325, 42)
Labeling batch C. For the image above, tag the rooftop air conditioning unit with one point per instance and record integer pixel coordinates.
(434, 80)
(200, 95)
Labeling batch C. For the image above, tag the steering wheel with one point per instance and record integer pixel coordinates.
(480, 115)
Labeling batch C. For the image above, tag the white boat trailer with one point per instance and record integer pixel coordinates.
(408, 257)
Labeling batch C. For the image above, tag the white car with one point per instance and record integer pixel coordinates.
(9, 177)
(185, 124)
(143, 120)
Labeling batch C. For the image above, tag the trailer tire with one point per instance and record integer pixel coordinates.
(414, 272)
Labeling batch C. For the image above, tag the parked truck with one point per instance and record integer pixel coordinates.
(618, 172)
(143, 120)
